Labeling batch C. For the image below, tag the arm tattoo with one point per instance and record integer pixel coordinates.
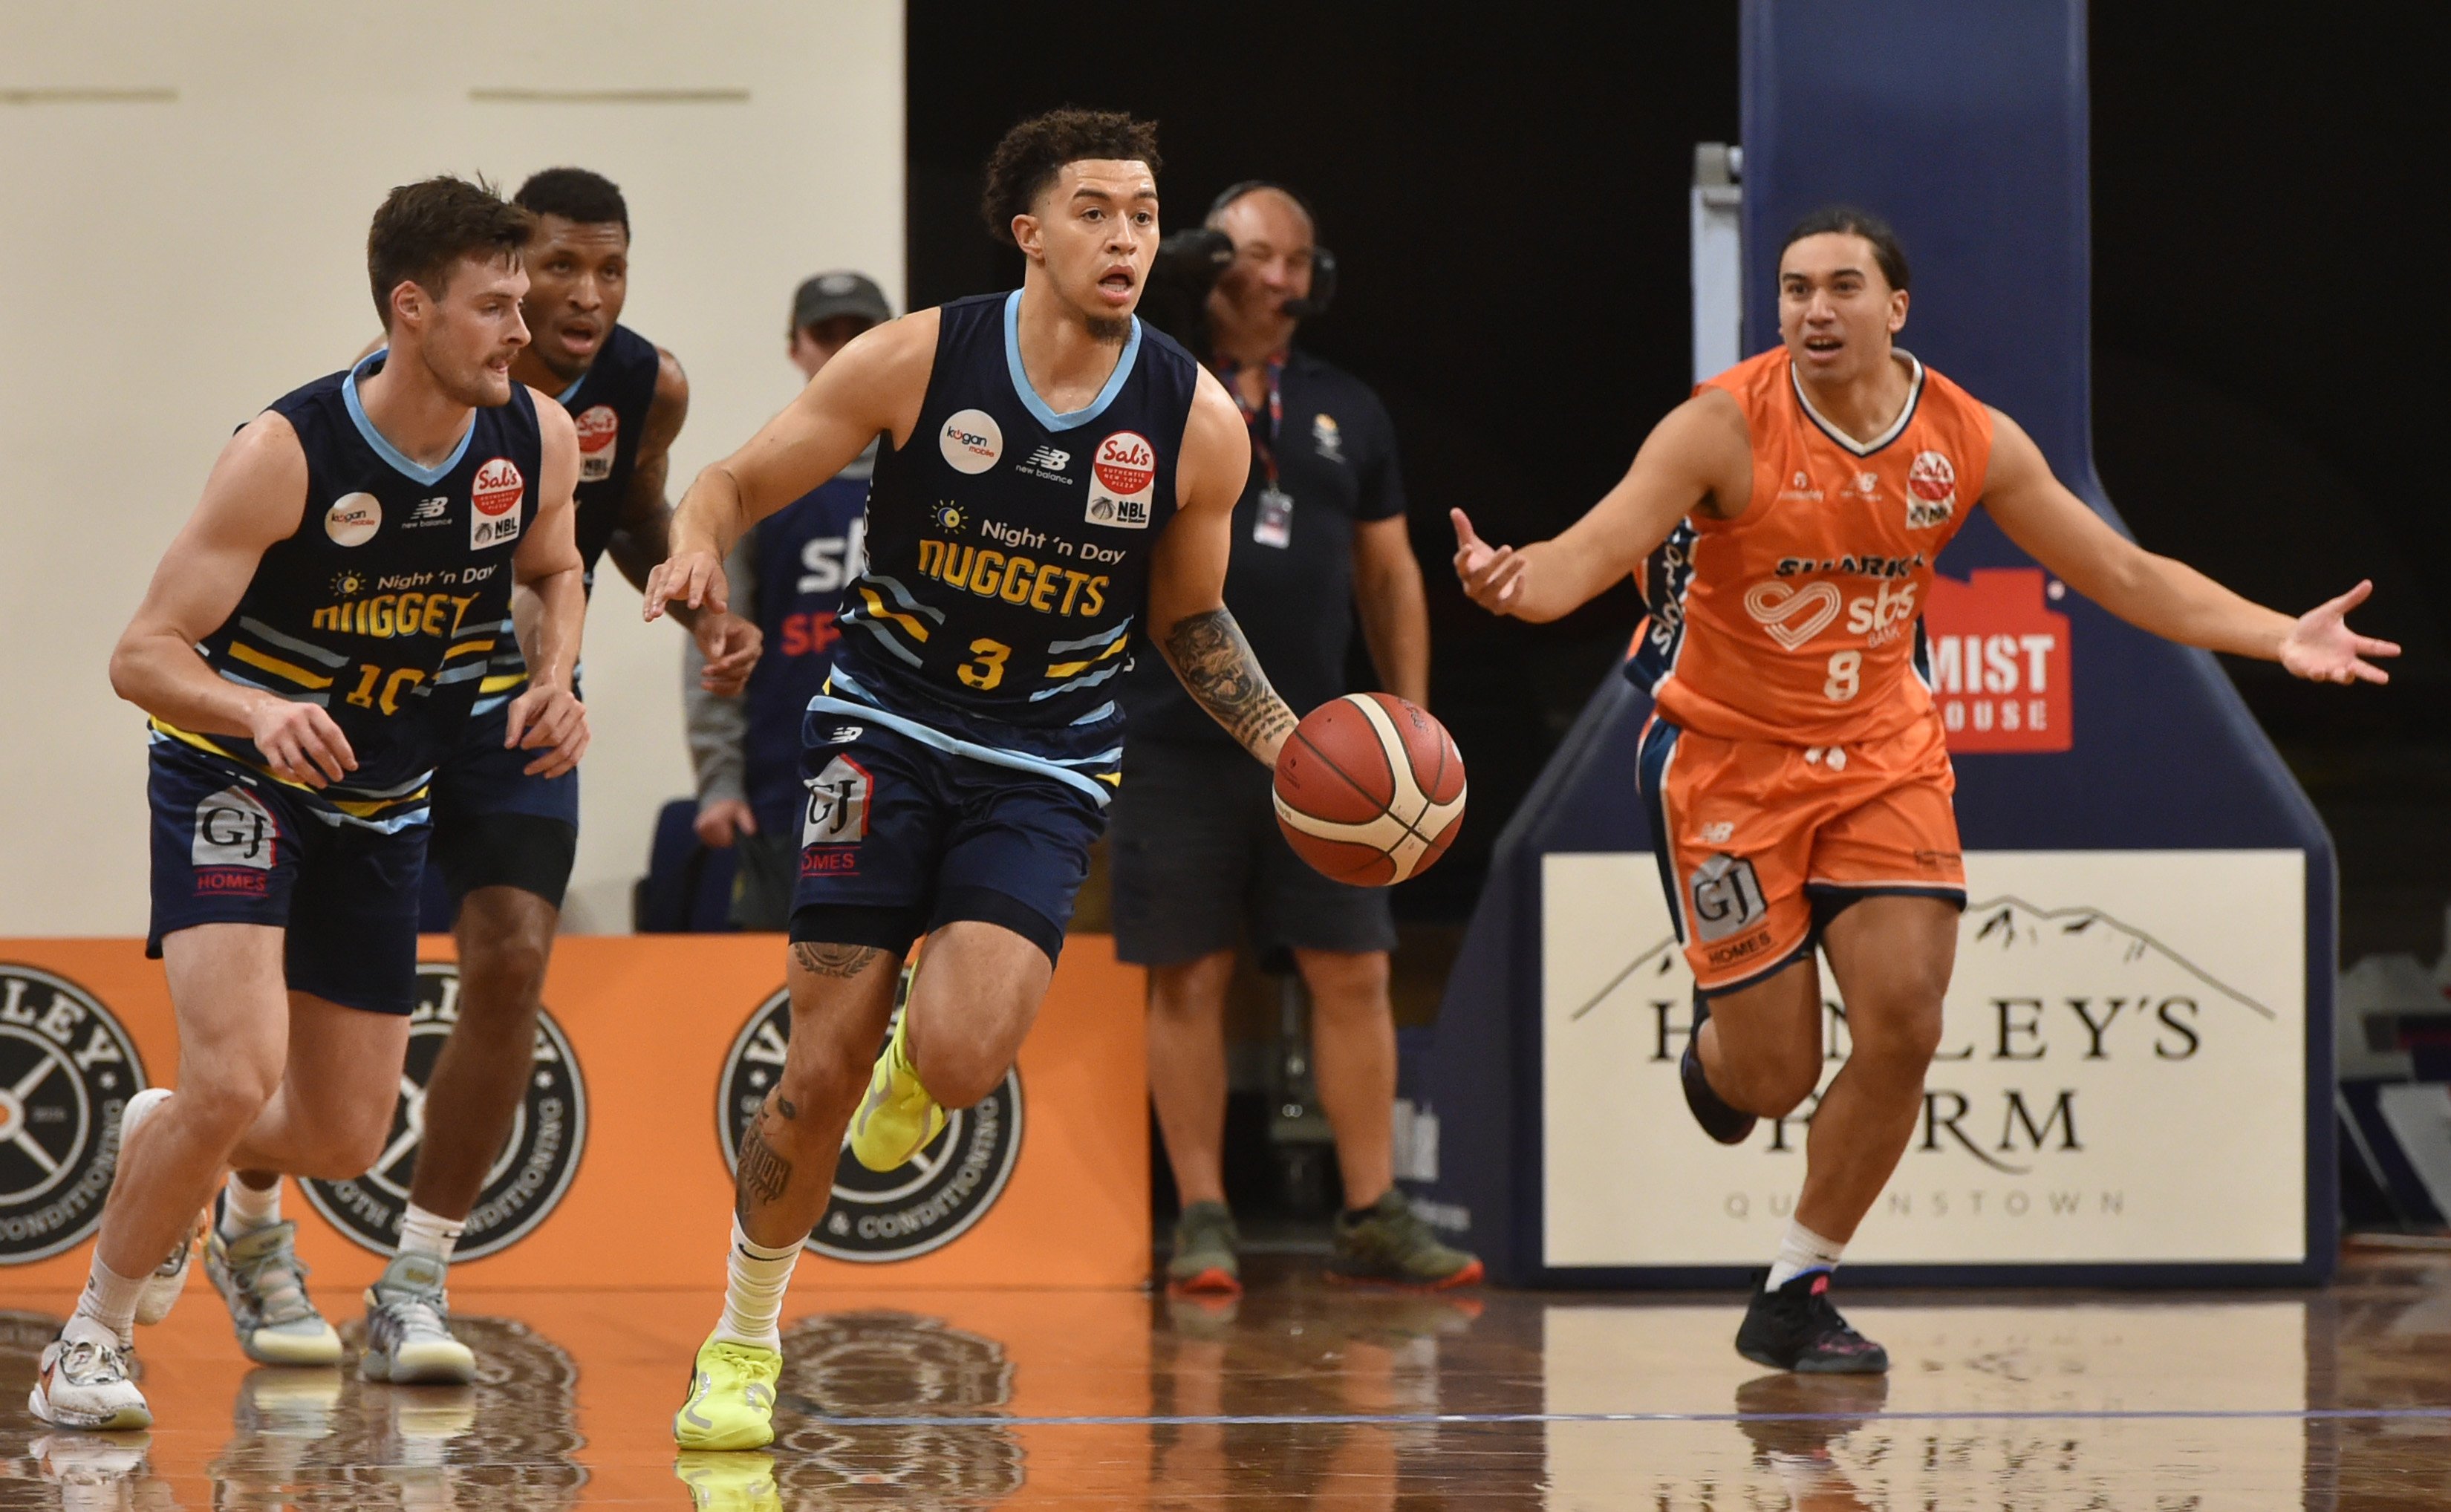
(1218, 670)
(833, 960)
(763, 1174)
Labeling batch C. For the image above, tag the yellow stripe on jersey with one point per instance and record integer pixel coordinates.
(466, 646)
(501, 680)
(367, 809)
(354, 808)
(876, 608)
(1067, 669)
(241, 651)
(196, 741)
(1113, 779)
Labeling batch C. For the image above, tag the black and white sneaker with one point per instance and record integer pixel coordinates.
(1729, 1126)
(1797, 1328)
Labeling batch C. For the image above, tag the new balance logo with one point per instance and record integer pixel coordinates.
(1048, 457)
(428, 511)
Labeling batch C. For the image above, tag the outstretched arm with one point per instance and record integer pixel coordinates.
(875, 384)
(642, 535)
(1697, 457)
(1188, 620)
(2155, 593)
(256, 496)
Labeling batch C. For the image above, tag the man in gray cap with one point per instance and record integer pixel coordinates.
(787, 575)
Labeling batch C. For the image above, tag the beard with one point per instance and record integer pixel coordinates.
(1108, 329)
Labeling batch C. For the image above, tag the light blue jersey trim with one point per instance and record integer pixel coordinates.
(941, 742)
(565, 397)
(1029, 396)
(398, 459)
(1103, 638)
(488, 705)
(313, 653)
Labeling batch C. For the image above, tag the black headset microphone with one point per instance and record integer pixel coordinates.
(1322, 262)
(1190, 262)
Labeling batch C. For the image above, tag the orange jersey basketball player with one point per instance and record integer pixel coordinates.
(1794, 767)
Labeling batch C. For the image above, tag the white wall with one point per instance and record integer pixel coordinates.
(184, 198)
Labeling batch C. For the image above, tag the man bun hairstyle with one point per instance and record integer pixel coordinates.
(1033, 152)
(1848, 220)
(424, 229)
(575, 194)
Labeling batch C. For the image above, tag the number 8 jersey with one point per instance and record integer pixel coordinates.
(1797, 621)
(1008, 548)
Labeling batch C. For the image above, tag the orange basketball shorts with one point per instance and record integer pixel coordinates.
(1761, 844)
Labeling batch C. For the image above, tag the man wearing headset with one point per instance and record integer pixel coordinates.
(1319, 534)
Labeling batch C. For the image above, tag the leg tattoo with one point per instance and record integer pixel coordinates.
(764, 1174)
(833, 960)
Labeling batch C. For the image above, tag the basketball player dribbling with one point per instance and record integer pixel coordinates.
(1056, 485)
(309, 650)
(1795, 767)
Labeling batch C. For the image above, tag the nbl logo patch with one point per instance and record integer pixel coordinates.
(526, 1180)
(599, 435)
(494, 501)
(67, 1070)
(1932, 490)
(876, 1217)
(1123, 480)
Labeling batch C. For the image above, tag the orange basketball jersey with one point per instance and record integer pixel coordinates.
(1795, 622)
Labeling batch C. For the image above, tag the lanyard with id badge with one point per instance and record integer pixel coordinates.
(1274, 526)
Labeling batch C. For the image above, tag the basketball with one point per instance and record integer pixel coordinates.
(1369, 790)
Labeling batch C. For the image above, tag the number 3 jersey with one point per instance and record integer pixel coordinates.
(1007, 554)
(385, 605)
(1796, 622)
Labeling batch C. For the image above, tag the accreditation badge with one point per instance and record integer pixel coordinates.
(1275, 524)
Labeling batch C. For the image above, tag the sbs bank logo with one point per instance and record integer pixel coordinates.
(525, 1182)
(67, 1070)
(875, 1217)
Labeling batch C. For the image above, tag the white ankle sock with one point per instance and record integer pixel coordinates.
(110, 1300)
(752, 1298)
(244, 1207)
(425, 1233)
(1800, 1251)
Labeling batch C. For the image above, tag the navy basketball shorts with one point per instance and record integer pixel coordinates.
(1197, 861)
(233, 847)
(899, 838)
(494, 825)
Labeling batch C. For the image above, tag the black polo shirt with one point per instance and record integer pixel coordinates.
(1336, 457)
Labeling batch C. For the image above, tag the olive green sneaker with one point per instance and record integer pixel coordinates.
(1391, 1245)
(1204, 1252)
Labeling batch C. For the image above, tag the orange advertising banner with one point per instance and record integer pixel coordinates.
(653, 1052)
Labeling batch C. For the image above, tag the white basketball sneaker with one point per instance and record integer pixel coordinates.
(408, 1327)
(84, 1382)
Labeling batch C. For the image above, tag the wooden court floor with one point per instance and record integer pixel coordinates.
(1300, 1395)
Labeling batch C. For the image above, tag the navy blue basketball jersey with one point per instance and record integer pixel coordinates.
(805, 554)
(1008, 547)
(387, 603)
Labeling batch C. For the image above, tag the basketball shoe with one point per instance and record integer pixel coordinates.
(1797, 1327)
(1204, 1257)
(1729, 1126)
(731, 1401)
(84, 1383)
(408, 1328)
(259, 1275)
(1391, 1245)
(897, 1118)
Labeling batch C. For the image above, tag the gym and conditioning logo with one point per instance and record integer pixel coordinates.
(525, 1182)
(927, 1202)
(67, 1070)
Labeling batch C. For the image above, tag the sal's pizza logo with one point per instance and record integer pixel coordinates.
(1123, 478)
(599, 432)
(1932, 491)
(494, 493)
(1999, 663)
(67, 1071)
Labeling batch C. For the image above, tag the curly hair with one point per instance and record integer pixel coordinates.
(1034, 152)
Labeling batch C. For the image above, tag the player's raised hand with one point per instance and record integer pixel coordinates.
(2323, 648)
(692, 577)
(730, 645)
(550, 720)
(1492, 578)
(301, 742)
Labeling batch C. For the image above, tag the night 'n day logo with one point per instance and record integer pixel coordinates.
(525, 1182)
(67, 1070)
(878, 1217)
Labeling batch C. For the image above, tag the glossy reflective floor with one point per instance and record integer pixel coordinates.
(1304, 1396)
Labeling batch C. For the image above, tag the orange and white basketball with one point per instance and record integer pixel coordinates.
(1369, 788)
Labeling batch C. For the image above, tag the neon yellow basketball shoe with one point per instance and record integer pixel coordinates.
(731, 1401)
(897, 1118)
